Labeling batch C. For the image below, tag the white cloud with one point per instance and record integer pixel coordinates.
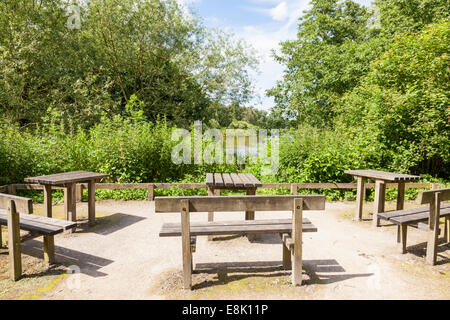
(280, 12)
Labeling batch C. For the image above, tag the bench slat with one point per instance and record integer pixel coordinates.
(418, 217)
(227, 180)
(391, 214)
(209, 179)
(238, 223)
(239, 203)
(255, 181)
(35, 223)
(228, 228)
(247, 182)
(236, 180)
(218, 182)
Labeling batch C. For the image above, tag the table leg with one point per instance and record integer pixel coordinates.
(70, 208)
(359, 199)
(211, 192)
(48, 201)
(380, 195)
(91, 202)
(401, 195)
(250, 215)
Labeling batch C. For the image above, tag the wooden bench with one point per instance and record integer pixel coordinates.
(423, 218)
(16, 213)
(289, 229)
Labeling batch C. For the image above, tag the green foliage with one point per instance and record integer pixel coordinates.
(332, 51)
(146, 49)
(402, 107)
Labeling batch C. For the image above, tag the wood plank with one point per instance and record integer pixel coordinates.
(209, 179)
(91, 202)
(15, 255)
(380, 195)
(253, 179)
(238, 223)
(418, 217)
(22, 205)
(49, 249)
(227, 180)
(360, 193)
(236, 180)
(35, 223)
(433, 229)
(186, 244)
(48, 201)
(238, 203)
(218, 181)
(383, 175)
(398, 213)
(297, 220)
(66, 177)
(425, 197)
(234, 229)
(247, 182)
(400, 195)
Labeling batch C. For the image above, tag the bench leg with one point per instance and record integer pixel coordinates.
(287, 262)
(380, 194)
(433, 230)
(1, 240)
(447, 229)
(49, 249)
(250, 215)
(297, 224)
(402, 233)
(15, 259)
(186, 244)
(211, 192)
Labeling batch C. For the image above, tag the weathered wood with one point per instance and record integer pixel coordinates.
(433, 229)
(186, 244)
(48, 201)
(380, 193)
(417, 217)
(15, 259)
(91, 202)
(236, 180)
(12, 189)
(228, 182)
(293, 189)
(151, 192)
(382, 175)
(209, 179)
(447, 229)
(218, 181)
(211, 192)
(425, 197)
(400, 195)
(49, 249)
(42, 225)
(228, 228)
(250, 214)
(297, 221)
(253, 179)
(407, 212)
(22, 205)
(359, 198)
(79, 193)
(66, 177)
(287, 261)
(247, 182)
(403, 232)
(239, 203)
(69, 203)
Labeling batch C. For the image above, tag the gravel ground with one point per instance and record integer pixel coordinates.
(123, 258)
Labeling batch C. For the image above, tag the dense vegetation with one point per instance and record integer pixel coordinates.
(363, 88)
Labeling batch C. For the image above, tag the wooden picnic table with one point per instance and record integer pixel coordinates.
(68, 181)
(232, 181)
(381, 178)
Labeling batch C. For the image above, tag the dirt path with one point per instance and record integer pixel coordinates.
(123, 258)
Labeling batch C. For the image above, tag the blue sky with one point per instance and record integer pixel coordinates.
(261, 23)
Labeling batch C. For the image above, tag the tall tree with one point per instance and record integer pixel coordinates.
(332, 52)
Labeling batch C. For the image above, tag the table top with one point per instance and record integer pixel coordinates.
(232, 180)
(382, 175)
(67, 177)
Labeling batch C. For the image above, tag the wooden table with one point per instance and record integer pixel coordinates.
(232, 181)
(381, 178)
(68, 181)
